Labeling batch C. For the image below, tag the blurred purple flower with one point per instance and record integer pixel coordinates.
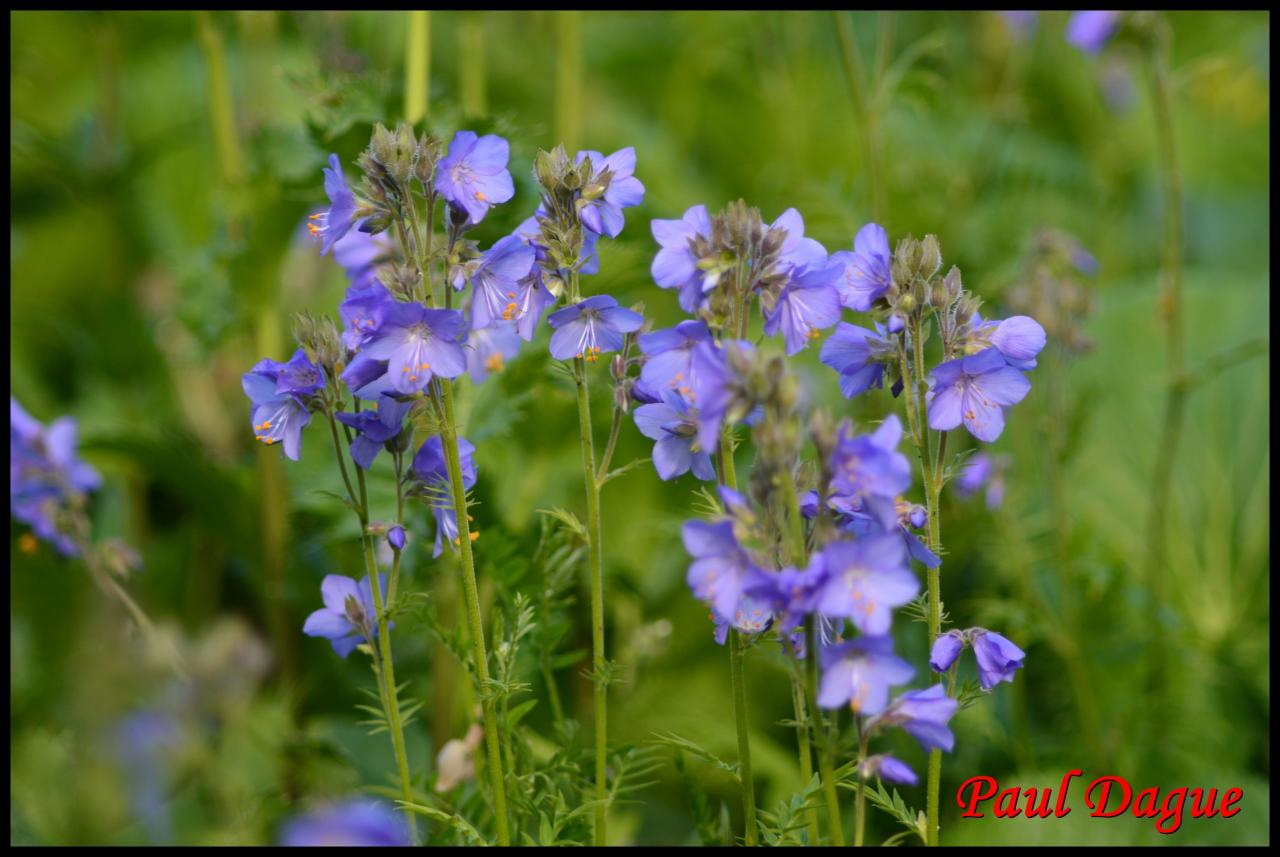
(375, 428)
(432, 470)
(721, 570)
(488, 350)
(889, 769)
(865, 579)
(860, 673)
(806, 305)
(356, 822)
(668, 361)
(675, 266)
(1090, 31)
(924, 715)
(45, 476)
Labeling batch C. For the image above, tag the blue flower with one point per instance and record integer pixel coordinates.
(357, 822)
(869, 466)
(375, 428)
(797, 252)
(348, 617)
(859, 355)
(488, 350)
(974, 390)
(473, 175)
(1090, 31)
(396, 537)
(45, 476)
(675, 430)
(924, 715)
(335, 221)
(668, 361)
(1019, 338)
(358, 253)
(497, 281)
(864, 274)
(432, 470)
(276, 417)
(721, 570)
(676, 266)
(860, 673)
(946, 648)
(362, 312)
(889, 769)
(603, 216)
(998, 659)
(865, 579)
(983, 469)
(590, 328)
(808, 303)
(417, 344)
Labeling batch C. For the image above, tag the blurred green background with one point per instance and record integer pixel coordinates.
(161, 166)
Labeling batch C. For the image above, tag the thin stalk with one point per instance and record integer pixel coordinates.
(932, 479)
(860, 802)
(863, 104)
(568, 76)
(417, 67)
(595, 565)
(825, 763)
(471, 64)
(472, 597)
(750, 822)
(614, 428)
(737, 678)
(806, 753)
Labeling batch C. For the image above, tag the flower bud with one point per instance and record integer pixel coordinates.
(945, 650)
(896, 323)
(953, 284)
(930, 256)
(425, 158)
(396, 537)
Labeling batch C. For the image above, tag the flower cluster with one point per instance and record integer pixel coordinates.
(47, 482)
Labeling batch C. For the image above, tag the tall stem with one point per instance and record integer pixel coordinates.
(729, 476)
(595, 565)
(932, 477)
(744, 745)
(825, 761)
(417, 67)
(471, 595)
(860, 803)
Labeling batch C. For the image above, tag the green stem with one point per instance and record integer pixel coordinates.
(471, 64)
(568, 76)
(806, 752)
(863, 106)
(744, 744)
(737, 677)
(614, 428)
(417, 67)
(595, 565)
(825, 750)
(472, 597)
(860, 803)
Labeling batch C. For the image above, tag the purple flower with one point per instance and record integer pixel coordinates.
(860, 673)
(418, 343)
(590, 328)
(751, 617)
(668, 361)
(974, 390)
(982, 469)
(335, 221)
(473, 175)
(807, 304)
(362, 312)
(396, 537)
(721, 570)
(358, 253)
(889, 769)
(791, 594)
(497, 282)
(676, 266)
(864, 273)
(998, 659)
(924, 715)
(45, 476)
(299, 377)
(674, 428)
(1089, 31)
(603, 216)
(859, 355)
(275, 416)
(356, 822)
(798, 252)
(488, 350)
(865, 579)
(870, 466)
(348, 617)
(1019, 338)
(432, 470)
(713, 387)
(946, 648)
(375, 428)
(144, 744)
